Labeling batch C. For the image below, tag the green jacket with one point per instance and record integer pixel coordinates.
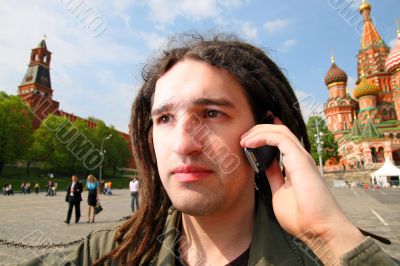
(270, 246)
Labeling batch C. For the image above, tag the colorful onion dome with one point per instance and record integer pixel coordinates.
(364, 5)
(365, 87)
(335, 74)
(393, 59)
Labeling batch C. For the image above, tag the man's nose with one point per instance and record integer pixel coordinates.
(185, 139)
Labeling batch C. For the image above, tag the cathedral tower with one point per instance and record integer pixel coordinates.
(393, 67)
(35, 88)
(372, 57)
(339, 107)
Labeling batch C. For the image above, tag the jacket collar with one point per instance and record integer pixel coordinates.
(269, 245)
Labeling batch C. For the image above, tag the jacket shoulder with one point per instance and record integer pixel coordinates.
(368, 253)
(95, 245)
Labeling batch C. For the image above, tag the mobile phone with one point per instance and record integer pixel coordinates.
(261, 158)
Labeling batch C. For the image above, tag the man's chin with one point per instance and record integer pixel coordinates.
(196, 207)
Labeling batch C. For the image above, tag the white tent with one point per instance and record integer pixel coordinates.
(387, 169)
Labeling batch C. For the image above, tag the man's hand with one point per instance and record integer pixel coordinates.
(302, 203)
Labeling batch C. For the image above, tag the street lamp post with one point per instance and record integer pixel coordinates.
(319, 143)
(102, 155)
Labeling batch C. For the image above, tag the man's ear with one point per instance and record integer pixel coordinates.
(268, 118)
(277, 121)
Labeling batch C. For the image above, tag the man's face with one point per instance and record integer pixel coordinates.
(199, 113)
(74, 178)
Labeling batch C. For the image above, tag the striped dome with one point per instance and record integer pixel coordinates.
(335, 74)
(365, 87)
(393, 59)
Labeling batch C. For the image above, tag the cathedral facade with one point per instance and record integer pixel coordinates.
(366, 124)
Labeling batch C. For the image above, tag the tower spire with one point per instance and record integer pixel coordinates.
(370, 35)
(37, 77)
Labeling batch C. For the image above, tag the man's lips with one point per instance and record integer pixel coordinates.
(189, 173)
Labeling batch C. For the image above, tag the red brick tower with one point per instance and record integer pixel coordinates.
(393, 67)
(372, 57)
(339, 107)
(35, 88)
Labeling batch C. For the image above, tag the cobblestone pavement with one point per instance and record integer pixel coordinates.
(36, 219)
(32, 218)
(376, 211)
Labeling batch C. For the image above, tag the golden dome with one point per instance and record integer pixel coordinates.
(364, 5)
(365, 87)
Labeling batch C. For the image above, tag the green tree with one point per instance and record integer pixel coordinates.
(50, 145)
(117, 152)
(64, 147)
(15, 129)
(329, 144)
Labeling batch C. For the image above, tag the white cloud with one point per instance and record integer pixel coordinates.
(232, 3)
(153, 40)
(249, 31)
(165, 12)
(309, 105)
(393, 43)
(287, 44)
(199, 9)
(276, 25)
(351, 82)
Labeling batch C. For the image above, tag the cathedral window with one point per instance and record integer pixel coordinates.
(373, 154)
(380, 155)
(392, 114)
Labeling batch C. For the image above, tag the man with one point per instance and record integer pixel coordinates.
(134, 189)
(49, 188)
(74, 197)
(202, 203)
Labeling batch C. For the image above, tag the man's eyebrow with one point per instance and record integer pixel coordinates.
(162, 109)
(198, 102)
(210, 101)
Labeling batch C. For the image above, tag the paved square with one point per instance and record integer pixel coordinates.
(37, 219)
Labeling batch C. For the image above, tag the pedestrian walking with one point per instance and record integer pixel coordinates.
(28, 187)
(134, 189)
(37, 188)
(93, 196)
(109, 186)
(23, 191)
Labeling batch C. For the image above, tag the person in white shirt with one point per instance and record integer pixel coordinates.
(134, 189)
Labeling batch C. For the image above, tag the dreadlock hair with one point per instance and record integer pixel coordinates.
(267, 90)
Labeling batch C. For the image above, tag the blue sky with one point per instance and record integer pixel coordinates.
(96, 61)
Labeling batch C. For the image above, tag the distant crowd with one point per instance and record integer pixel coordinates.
(51, 188)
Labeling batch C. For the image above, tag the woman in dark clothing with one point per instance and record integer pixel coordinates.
(93, 196)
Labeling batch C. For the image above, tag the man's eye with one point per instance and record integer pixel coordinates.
(163, 119)
(212, 113)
